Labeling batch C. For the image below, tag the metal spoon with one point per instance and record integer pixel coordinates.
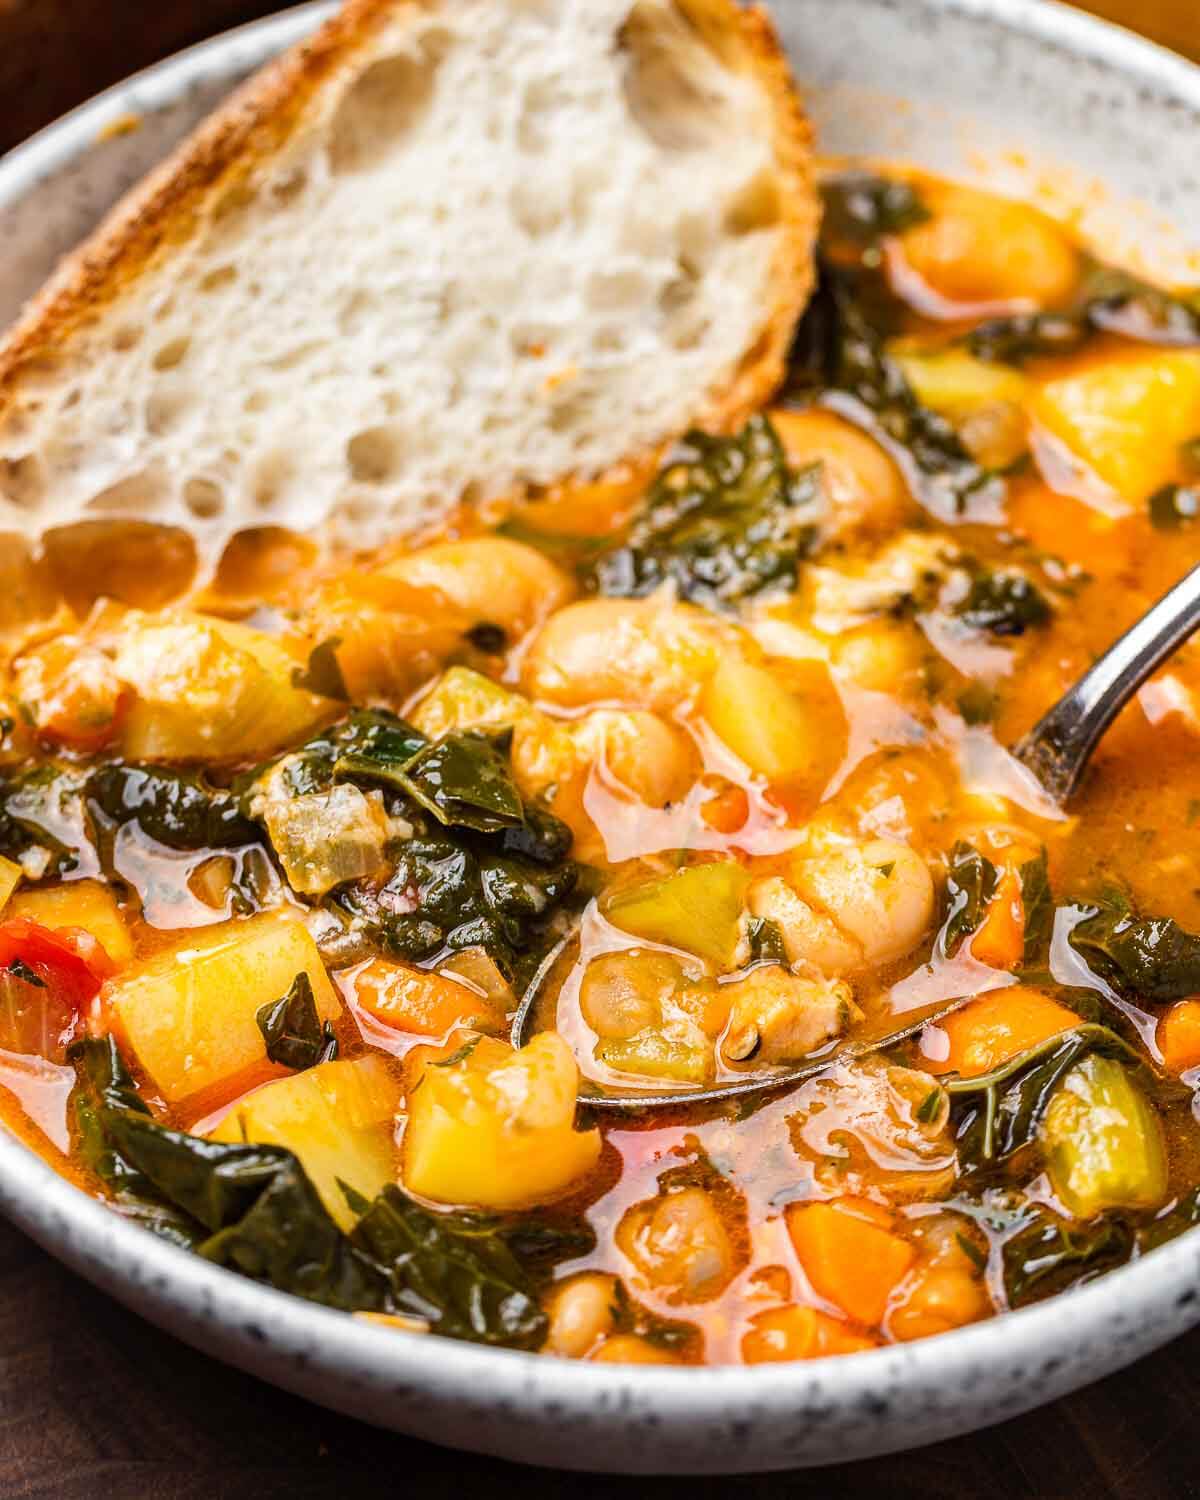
(1056, 750)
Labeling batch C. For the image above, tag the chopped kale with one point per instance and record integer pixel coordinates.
(724, 520)
(1013, 340)
(1049, 1254)
(862, 208)
(1150, 958)
(323, 674)
(996, 1115)
(1003, 602)
(174, 808)
(292, 1028)
(1174, 505)
(970, 884)
(464, 779)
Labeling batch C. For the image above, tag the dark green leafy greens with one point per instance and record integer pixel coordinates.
(1002, 602)
(464, 780)
(766, 941)
(1174, 505)
(861, 207)
(724, 520)
(253, 1208)
(997, 1114)
(174, 808)
(323, 674)
(1152, 958)
(971, 880)
(1109, 301)
(1049, 1254)
(292, 1028)
(43, 809)
(838, 359)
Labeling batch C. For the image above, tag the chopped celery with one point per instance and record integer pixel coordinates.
(698, 909)
(1103, 1142)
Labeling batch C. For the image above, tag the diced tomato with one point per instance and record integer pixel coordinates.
(47, 979)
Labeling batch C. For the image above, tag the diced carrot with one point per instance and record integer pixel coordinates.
(727, 811)
(997, 1026)
(999, 941)
(419, 1000)
(787, 1333)
(1178, 1036)
(848, 1256)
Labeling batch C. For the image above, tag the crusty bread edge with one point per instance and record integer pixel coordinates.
(260, 118)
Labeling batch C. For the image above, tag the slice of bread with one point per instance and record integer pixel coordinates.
(446, 250)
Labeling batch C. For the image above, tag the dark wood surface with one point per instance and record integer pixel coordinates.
(93, 1402)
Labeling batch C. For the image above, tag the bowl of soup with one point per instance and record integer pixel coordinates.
(591, 984)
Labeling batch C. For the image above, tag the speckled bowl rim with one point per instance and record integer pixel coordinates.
(620, 1418)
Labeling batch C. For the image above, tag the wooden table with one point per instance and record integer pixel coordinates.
(94, 1402)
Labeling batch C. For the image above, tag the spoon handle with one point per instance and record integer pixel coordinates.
(1057, 748)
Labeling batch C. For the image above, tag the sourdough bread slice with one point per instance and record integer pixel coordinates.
(447, 250)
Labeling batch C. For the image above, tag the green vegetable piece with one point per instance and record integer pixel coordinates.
(459, 1277)
(839, 360)
(1038, 902)
(970, 884)
(323, 674)
(171, 807)
(1118, 302)
(1174, 506)
(698, 909)
(44, 808)
(998, 1114)
(464, 779)
(723, 521)
(1149, 957)
(1050, 1254)
(1011, 341)
(1004, 603)
(861, 207)
(1103, 1141)
(766, 941)
(292, 1028)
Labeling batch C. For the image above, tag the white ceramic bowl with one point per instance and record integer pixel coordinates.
(1004, 87)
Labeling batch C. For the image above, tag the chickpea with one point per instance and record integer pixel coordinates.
(865, 489)
(624, 993)
(582, 1311)
(879, 893)
(679, 1245)
(978, 247)
(809, 936)
(945, 1289)
(883, 657)
(490, 579)
(642, 653)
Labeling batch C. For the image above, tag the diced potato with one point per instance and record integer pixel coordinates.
(698, 909)
(772, 730)
(955, 383)
(10, 877)
(209, 689)
(1126, 418)
(1103, 1141)
(493, 1127)
(79, 903)
(189, 1014)
(463, 699)
(337, 1118)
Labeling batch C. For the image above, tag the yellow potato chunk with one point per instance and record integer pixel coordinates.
(10, 877)
(495, 1128)
(208, 689)
(1127, 417)
(79, 903)
(189, 1014)
(775, 732)
(337, 1118)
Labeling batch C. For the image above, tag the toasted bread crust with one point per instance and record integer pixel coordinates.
(261, 117)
